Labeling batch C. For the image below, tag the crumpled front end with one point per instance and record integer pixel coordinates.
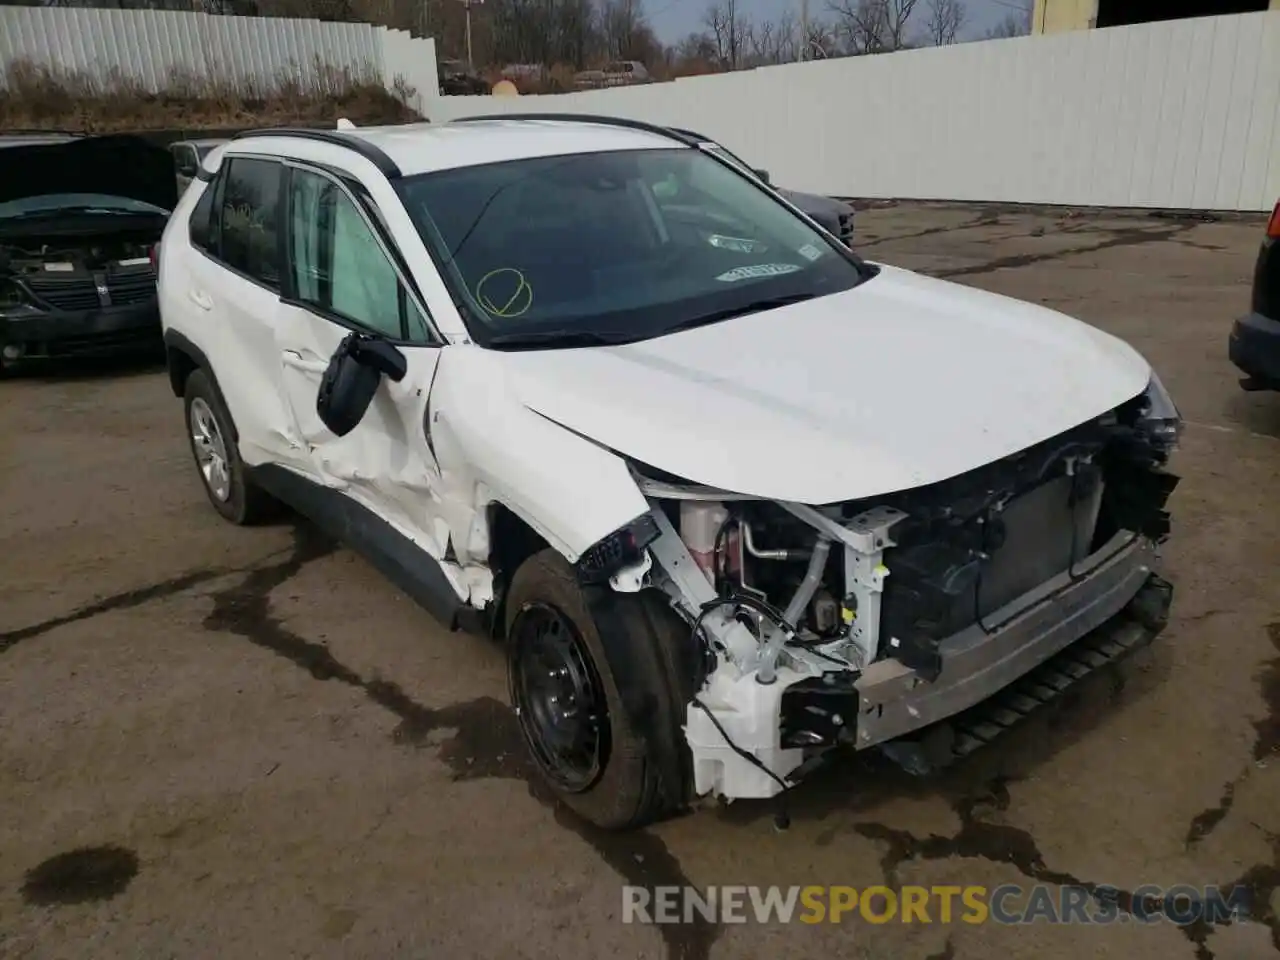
(890, 620)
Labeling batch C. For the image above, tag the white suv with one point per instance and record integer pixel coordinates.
(731, 496)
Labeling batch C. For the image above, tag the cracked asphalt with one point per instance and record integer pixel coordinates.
(218, 742)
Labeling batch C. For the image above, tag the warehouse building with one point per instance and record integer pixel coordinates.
(1056, 16)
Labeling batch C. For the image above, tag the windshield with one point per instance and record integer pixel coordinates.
(75, 202)
(622, 245)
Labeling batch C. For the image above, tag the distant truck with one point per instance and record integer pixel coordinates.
(619, 73)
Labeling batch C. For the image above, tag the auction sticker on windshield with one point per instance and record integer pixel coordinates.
(756, 271)
(809, 252)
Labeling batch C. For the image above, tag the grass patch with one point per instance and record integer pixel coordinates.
(35, 97)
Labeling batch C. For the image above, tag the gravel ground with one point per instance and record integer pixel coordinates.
(244, 743)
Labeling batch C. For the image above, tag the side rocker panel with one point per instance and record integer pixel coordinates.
(394, 555)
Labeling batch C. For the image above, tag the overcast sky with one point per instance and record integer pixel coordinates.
(673, 19)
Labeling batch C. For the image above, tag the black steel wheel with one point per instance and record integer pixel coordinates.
(558, 698)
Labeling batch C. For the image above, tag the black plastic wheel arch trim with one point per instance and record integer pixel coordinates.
(175, 342)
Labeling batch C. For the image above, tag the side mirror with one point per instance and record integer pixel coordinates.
(763, 175)
(187, 169)
(351, 380)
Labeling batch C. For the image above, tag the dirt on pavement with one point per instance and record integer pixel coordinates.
(225, 742)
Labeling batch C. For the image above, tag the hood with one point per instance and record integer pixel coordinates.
(816, 205)
(121, 166)
(898, 383)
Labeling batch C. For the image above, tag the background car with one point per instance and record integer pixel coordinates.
(79, 219)
(187, 157)
(835, 216)
(458, 80)
(1254, 345)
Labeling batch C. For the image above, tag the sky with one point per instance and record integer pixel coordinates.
(674, 19)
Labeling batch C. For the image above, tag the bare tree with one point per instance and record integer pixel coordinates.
(873, 26)
(1017, 23)
(945, 18)
(729, 31)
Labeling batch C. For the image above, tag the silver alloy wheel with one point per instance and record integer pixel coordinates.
(211, 451)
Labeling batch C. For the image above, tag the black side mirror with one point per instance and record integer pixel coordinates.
(763, 175)
(351, 380)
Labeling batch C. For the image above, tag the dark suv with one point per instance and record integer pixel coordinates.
(1254, 346)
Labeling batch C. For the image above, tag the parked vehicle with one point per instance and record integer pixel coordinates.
(1254, 345)
(187, 157)
(459, 80)
(619, 73)
(835, 216)
(79, 218)
(730, 495)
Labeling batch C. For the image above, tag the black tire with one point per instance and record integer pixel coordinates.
(244, 504)
(630, 788)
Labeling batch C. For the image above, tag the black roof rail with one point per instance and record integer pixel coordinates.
(339, 138)
(669, 132)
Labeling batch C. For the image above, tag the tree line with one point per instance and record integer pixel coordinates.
(578, 34)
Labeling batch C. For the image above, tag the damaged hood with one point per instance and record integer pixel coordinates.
(120, 166)
(900, 382)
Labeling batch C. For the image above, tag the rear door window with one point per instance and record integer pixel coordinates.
(249, 212)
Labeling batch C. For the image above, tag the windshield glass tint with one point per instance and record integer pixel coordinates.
(628, 244)
(63, 201)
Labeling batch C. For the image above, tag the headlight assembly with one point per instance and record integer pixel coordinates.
(1158, 417)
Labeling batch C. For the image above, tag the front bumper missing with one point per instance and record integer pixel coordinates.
(992, 678)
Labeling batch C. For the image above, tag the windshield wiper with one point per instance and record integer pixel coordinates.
(562, 338)
(755, 306)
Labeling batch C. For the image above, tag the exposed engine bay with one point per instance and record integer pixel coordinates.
(810, 617)
(37, 255)
(103, 270)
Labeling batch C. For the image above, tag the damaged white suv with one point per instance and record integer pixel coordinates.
(731, 496)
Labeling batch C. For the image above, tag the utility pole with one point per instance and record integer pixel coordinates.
(466, 5)
(471, 64)
(804, 29)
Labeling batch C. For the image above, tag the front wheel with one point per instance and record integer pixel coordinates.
(584, 743)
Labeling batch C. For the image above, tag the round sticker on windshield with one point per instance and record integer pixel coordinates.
(757, 271)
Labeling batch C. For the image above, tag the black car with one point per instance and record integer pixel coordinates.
(1254, 346)
(79, 220)
(458, 80)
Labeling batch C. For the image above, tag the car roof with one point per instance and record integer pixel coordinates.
(431, 147)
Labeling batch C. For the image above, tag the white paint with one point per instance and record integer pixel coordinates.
(900, 382)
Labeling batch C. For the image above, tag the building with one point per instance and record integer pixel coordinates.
(1056, 16)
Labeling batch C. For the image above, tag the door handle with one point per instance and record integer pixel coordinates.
(294, 359)
(201, 299)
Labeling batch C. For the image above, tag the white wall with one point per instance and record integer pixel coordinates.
(151, 45)
(1180, 114)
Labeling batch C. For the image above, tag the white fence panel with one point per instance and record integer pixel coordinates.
(151, 47)
(1179, 114)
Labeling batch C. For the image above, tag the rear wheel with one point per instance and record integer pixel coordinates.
(222, 472)
(569, 703)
